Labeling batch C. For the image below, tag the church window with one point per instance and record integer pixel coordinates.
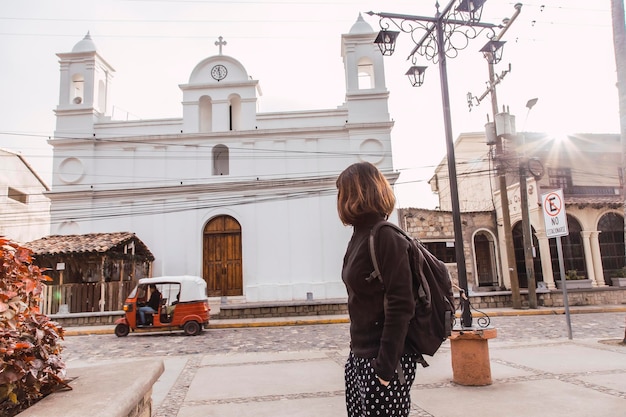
(365, 74)
(206, 114)
(77, 93)
(220, 160)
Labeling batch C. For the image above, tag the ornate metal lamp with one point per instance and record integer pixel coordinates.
(493, 51)
(416, 75)
(386, 41)
(472, 9)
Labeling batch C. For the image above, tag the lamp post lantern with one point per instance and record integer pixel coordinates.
(436, 39)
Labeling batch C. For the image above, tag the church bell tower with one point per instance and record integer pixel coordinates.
(84, 90)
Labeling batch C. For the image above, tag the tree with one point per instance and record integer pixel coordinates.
(31, 366)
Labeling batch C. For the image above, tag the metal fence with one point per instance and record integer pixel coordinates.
(85, 297)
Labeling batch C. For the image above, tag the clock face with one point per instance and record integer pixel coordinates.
(219, 72)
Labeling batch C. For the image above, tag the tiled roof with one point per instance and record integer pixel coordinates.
(610, 200)
(92, 242)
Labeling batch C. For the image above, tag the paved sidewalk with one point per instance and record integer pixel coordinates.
(557, 377)
(562, 378)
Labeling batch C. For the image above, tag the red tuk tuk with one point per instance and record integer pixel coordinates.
(183, 305)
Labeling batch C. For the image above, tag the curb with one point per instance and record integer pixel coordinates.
(312, 320)
(543, 311)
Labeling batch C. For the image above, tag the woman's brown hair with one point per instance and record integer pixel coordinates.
(363, 189)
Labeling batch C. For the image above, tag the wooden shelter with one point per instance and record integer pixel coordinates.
(91, 272)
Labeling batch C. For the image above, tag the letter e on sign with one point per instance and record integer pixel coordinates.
(554, 215)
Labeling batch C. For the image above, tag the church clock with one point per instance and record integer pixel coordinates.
(219, 72)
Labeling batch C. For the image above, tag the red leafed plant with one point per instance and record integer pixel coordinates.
(30, 365)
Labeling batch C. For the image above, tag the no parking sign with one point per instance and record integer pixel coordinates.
(554, 215)
(555, 221)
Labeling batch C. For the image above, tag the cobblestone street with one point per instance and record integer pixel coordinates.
(318, 337)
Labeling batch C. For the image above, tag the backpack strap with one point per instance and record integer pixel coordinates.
(423, 290)
(372, 246)
(372, 241)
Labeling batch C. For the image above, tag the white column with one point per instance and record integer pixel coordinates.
(588, 258)
(597, 258)
(546, 260)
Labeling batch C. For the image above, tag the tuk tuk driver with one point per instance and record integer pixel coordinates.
(152, 306)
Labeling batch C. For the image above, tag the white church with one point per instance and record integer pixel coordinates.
(246, 200)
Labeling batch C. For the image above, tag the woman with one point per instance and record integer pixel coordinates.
(379, 314)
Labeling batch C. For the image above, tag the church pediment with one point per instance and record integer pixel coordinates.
(218, 69)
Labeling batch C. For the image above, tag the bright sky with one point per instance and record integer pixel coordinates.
(560, 51)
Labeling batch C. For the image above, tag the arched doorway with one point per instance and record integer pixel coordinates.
(221, 252)
(520, 260)
(611, 227)
(484, 249)
(573, 252)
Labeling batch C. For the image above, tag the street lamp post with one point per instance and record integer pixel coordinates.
(434, 39)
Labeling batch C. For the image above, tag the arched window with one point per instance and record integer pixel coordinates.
(77, 92)
(520, 260)
(220, 160)
(365, 74)
(573, 252)
(234, 112)
(611, 227)
(205, 107)
(485, 251)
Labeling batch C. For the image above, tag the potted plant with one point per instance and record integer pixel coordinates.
(31, 367)
(618, 278)
(574, 281)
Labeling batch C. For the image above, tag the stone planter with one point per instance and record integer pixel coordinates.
(574, 284)
(121, 389)
(470, 356)
(618, 281)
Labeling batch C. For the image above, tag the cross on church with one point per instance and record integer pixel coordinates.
(220, 42)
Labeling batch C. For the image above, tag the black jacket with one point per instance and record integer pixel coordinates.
(155, 299)
(378, 327)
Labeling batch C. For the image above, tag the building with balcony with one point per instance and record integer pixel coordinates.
(586, 167)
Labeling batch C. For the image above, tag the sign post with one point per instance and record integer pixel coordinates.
(555, 220)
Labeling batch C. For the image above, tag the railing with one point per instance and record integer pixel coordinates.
(597, 190)
(85, 297)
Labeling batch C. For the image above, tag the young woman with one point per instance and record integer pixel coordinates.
(380, 370)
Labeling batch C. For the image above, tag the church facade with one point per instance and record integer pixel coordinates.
(246, 200)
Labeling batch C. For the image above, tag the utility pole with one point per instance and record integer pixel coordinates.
(526, 225)
(501, 166)
(528, 242)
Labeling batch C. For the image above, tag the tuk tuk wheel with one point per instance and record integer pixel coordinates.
(122, 330)
(192, 328)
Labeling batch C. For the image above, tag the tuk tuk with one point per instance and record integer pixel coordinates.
(182, 305)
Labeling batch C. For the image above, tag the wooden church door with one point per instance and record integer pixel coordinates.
(221, 253)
